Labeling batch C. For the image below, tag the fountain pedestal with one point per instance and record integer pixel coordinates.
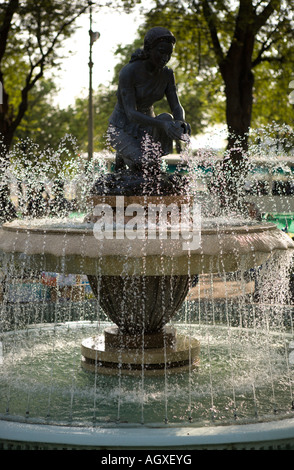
(140, 306)
(154, 354)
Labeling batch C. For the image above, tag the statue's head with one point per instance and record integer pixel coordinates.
(153, 37)
(156, 35)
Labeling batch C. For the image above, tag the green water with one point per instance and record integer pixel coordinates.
(243, 376)
(284, 222)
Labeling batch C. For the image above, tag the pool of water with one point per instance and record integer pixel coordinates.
(244, 375)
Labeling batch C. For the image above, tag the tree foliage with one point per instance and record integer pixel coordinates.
(43, 122)
(233, 62)
(104, 99)
(240, 52)
(30, 35)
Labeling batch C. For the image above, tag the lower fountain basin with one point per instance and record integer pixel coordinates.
(52, 402)
(275, 435)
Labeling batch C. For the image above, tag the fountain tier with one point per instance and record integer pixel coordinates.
(70, 246)
(140, 283)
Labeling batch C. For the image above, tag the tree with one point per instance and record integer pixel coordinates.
(239, 39)
(30, 35)
(43, 123)
(258, 27)
(245, 37)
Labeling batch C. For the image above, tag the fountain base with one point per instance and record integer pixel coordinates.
(154, 353)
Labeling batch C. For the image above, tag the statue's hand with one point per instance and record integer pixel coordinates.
(176, 130)
(184, 130)
(186, 127)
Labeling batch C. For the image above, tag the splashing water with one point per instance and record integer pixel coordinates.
(245, 373)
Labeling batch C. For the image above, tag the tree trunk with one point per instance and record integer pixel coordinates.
(237, 74)
(4, 121)
(6, 134)
(238, 77)
(238, 115)
(239, 91)
(9, 122)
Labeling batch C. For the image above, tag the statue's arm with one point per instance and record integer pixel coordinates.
(173, 100)
(130, 107)
(127, 91)
(174, 103)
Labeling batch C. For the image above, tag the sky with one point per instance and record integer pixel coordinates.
(114, 28)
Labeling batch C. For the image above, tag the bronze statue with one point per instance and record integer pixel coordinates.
(139, 137)
(143, 81)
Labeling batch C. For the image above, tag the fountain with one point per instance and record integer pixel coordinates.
(142, 366)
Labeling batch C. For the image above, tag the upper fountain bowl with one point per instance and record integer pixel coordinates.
(70, 246)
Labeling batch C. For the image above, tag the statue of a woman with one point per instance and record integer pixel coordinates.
(143, 81)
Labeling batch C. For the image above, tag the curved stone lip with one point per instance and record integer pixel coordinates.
(87, 229)
(22, 227)
(158, 436)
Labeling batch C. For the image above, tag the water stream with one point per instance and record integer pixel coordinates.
(246, 368)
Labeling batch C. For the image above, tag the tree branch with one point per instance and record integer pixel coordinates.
(265, 46)
(261, 19)
(6, 25)
(271, 39)
(209, 17)
(41, 63)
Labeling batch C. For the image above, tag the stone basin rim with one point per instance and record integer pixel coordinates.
(88, 231)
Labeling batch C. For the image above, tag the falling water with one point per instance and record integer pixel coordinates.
(244, 373)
